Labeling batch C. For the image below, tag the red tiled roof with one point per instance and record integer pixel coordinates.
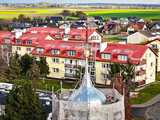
(134, 52)
(56, 31)
(6, 34)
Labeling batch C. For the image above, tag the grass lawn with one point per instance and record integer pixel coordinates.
(147, 93)
(112, 38)
(43, 84)
(9, 13)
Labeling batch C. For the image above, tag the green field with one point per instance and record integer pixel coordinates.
(6, 13)
(143, 13)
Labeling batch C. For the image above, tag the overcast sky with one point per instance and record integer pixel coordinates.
(88, 1)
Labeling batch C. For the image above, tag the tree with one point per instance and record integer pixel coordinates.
(128, 75)
(14, 70)
(127, 72)
(25, 62)
(22, 103)
(33, 73)
(113, 71)
(66, 13)
(14, 19)
(79, 72)
(21, 18)
(80, 14)
(44, 68)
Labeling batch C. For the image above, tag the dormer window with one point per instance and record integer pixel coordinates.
(6, 40)
(55, 52)
(58, 36)
(154, 46)
(122, 57)
(71, 53)
(94, 37)
(18, 41)
(106, 56)
(39, 50)
(29, 42)
(77, 37)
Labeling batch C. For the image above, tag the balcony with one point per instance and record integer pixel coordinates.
(140, 83)
(143, 62)
(70, 76)
(67, 65)
(140, 72)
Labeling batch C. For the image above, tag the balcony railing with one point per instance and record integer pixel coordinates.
(70, 75)
(143, 61)
(140, 83)
(140, 72)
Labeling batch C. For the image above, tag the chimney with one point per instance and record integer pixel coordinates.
(66, 32)
(18, 33)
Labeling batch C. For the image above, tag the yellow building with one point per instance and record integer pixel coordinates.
(66, 57)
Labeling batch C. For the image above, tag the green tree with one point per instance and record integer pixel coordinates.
(14, 70)
(66, 13)
(21, 18)
(127, 71)
(80, 14)
(128, 76)
(115, 68)
(79, 72)
(26, 62)
(33, 73)
(22, 103)
(44, 68)
(14, 19)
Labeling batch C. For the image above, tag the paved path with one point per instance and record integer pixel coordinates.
(149, 110)
(153, 113)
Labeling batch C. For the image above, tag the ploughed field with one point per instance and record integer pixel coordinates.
(6, 13)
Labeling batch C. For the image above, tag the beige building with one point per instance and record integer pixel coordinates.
(142, 37)
(155, 45)
(66, 57)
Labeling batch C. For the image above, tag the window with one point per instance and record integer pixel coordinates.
(71, 53)
(106, 56)
(94, 37)
(39, 50)
(105, 76)
(19, 48)
(154, 46)
(70, 61)
(55, 51)
(55, 60)
(29, 42)
(18, 42)
(123, 57)
(151, 64)
(7, 41)
(55, 70)
(77, 37)
(58, 36)
(105, 65)
(28, 49)
(66, 36)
